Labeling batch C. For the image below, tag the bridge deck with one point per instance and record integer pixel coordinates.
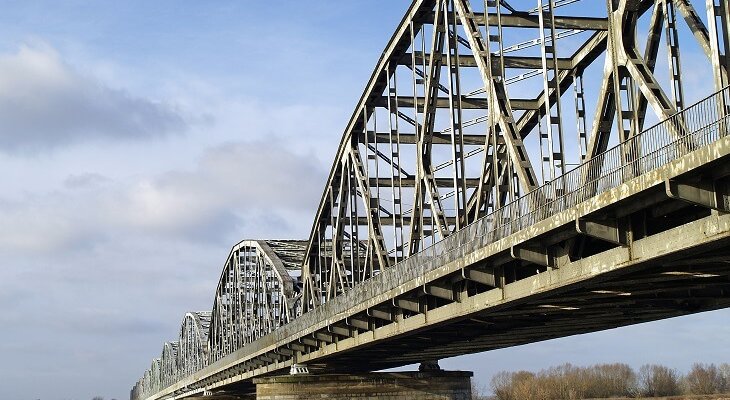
(401, 316)
(436, 235)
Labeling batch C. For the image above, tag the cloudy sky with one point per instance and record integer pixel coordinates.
(140, 140)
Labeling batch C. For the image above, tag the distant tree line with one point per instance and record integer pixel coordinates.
(568, 382)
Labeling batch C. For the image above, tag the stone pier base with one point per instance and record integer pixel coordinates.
(430, 385)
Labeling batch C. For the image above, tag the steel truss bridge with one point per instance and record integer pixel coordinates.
(509, 175)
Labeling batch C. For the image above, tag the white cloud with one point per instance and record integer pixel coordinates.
(45, 104)
(232, 189)
(233, 185)
(100, 270)
(84, 181)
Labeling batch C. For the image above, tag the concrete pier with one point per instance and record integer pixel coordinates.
(428, 385)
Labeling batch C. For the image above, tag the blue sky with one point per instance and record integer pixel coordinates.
(140, 140)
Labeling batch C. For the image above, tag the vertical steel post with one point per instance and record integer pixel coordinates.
(675, 68)
(718, 14)
(496, 70)
(394, 156)
(580, 114)
(455, 117)
(554, 163)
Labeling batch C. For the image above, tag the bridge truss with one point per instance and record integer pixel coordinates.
(436, 142)
(480, 120)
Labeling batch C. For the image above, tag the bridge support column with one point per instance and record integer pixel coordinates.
(426, 385)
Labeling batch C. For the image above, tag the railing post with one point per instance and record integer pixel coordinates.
(719, 100)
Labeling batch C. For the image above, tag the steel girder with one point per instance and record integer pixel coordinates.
(179, 358)
(169, 364)
(472, 105)
(256, 294)
(436, 141)
(194, 352)
(150, 382)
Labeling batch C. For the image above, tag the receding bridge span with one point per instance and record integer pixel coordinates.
(458, 218)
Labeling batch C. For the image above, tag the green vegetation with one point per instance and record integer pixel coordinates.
(568, 382)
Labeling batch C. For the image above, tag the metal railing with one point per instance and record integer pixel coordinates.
(696, 126)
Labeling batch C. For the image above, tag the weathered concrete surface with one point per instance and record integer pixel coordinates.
(431, 385)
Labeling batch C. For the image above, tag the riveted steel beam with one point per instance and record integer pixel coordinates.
(531, 21)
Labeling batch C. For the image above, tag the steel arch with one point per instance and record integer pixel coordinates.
(194, 354)
(255, 295)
